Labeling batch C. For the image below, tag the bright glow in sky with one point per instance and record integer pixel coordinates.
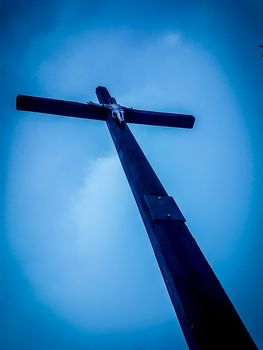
(72, 227)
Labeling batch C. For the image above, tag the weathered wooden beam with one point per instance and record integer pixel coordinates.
(60, 107)
(206, 315)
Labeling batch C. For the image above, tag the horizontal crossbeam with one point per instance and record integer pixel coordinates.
(93, 111)
(158, 118)
(60, 107)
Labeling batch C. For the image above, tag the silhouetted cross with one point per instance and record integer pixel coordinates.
(206, 315)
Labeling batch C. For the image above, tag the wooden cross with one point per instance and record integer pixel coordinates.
(206, 315)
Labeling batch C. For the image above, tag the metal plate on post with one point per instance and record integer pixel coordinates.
(163, 208)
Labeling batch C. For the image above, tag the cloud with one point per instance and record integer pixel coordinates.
(172, 38)
(85, 263)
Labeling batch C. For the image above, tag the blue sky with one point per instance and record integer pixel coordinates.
(78, 270)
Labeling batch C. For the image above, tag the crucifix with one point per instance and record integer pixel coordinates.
(206, 315)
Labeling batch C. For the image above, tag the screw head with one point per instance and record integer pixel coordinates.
(169, 215)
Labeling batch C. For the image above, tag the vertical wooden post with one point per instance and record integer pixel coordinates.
(206, 315)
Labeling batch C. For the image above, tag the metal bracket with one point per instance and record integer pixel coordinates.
(163, 208)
